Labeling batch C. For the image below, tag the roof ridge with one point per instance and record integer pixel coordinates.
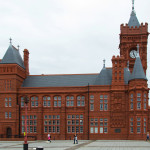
(65, 74)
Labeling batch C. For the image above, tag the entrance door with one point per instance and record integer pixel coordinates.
(9, 133)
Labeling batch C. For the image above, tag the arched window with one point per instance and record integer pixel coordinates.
(70, 101)
(57, 101)
(46, 101)
(34, 101)
(80, 100)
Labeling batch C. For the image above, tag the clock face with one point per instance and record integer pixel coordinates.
(133, 53)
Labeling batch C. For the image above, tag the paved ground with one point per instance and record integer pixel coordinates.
(82, 145)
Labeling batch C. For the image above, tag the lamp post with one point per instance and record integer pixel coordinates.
(25, 145)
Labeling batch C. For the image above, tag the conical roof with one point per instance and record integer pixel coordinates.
(133, 21)
(12, 56)
(104, 78)
(138, 72)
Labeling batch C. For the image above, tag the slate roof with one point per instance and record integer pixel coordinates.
(126, 75)
(59, 80)
(12, 56)
(138, 72)
(104, 78)
(133, 21)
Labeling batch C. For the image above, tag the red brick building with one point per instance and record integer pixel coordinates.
(112, 104)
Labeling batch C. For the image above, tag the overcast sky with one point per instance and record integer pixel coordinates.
(67, 36)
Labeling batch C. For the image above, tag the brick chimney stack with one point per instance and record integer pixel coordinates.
(26, 61)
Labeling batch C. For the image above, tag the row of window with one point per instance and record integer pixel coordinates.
(103, 103)
(138, 125)
(138, 101)
(99, 125)
(31, 124)
(57, 101)
(8, 115)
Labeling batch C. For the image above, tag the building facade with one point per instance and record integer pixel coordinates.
(112, 104)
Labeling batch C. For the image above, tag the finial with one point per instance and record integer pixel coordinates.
(128, 65)
(18, 47)
(104, 63)
(137, 51)
(10, 40)
(132, 5)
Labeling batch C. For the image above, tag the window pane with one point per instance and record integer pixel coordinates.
(101, 106)
(101, 129)
(91, 129)
(96, 129)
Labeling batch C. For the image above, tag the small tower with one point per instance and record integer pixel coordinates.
(138, 99)
(12, 75)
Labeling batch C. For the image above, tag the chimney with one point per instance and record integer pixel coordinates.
(26, 61)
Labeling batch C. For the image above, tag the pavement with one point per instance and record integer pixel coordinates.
(82, 145)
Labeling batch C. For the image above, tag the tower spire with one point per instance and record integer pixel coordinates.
(132, 5)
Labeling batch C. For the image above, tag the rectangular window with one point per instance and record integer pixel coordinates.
(81, 129)
(105, 106)
(55, 103)
(105, 130)
(138, 129)
(72, 103)
(101, 106)
(144, 105)
(49, 129)
(138, 123)
(69, 129)
(138, 105)
(91, 107)
(53, 129)
(101, 129)
(131, 106)
(131, 129)
(96, 129)
(73, 129)
(34, 129)
(91, 130)
(9, 114)
(144, 129)
(6, 114)
(45, 129)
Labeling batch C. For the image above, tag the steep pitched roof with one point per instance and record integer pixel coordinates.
(133, 21)
(126, 75)
(59, 80)
(138, 72)
(12, 56)
(104, 77)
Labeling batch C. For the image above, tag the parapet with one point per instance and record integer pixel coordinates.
(125, 29)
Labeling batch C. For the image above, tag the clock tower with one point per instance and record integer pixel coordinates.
(131, 35)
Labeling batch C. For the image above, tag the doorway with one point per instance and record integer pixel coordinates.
(9, 133)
